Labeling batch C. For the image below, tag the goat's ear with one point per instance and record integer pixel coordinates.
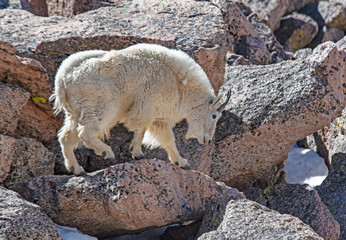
(215, 101)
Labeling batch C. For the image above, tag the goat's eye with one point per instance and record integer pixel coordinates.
(214, 116)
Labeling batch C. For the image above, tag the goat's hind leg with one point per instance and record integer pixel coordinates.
(90, 130)
(68, 139)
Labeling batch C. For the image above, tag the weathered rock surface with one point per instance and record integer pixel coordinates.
(333, 190)
(296, 5)
(12, 99)
(296, 31)
(21, 160)
(26, 73)
(269, 11)
(249, 37)
(326, 34)
(269, 111)
(244, 219)
(303, 202)
(37, 7)
(127, 197)
(328, 13)
(35, 118)
(194, 27)
(329, 140)
(23, 220)
(74, 7)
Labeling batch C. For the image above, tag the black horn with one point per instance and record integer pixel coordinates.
(222, 107)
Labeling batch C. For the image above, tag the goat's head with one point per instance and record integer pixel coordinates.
(203, 118)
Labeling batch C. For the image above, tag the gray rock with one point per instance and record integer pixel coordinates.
(248, 36)
(333, 191)
(267, 103)
(296, 31)
(296, 5)
(303, 202)
(195, 27)
(329, 140)
(269, 11)
(21, 160)
(243, 37)
(327, 34)
(23, 220)
(277, 52)
(328, 13)
(302, 53)
(127, 198)
(244, 219)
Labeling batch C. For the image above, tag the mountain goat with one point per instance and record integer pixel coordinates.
(147, 87)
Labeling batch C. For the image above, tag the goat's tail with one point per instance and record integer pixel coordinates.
(59, 98)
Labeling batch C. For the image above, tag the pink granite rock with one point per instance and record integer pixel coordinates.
(21, 160)
(127, 197)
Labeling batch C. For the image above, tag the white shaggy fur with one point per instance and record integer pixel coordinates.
(147, 87)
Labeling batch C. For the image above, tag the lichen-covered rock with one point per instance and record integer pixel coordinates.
(244, 219)
(21, 160)
(272, 107)
(269, 11)
(127, 197)
(296, 31)
(196, 27)
(333, 190)
(328, 13)
(303, 202)
(21, 219)
(12, 99)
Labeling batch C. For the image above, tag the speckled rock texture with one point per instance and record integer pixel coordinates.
(34, 119)
(328, 13)
(244, 219)
(272, 107)
(269, 11)
(333, 190)
(303, 202)
(12, 99)
(21, 160)
(21, 219)
(329, 140)
(296, 5)
(296, 31)
(127, 197)
(192, 26)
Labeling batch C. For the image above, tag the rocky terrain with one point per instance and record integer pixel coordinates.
(283, 60)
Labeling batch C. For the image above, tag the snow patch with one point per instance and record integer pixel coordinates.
(305, 166)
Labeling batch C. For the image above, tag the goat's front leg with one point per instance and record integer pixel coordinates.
(136, 144)
(166, 138)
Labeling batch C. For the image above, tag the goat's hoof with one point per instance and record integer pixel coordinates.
(139, 157)
(78, 172)
(186, 167)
